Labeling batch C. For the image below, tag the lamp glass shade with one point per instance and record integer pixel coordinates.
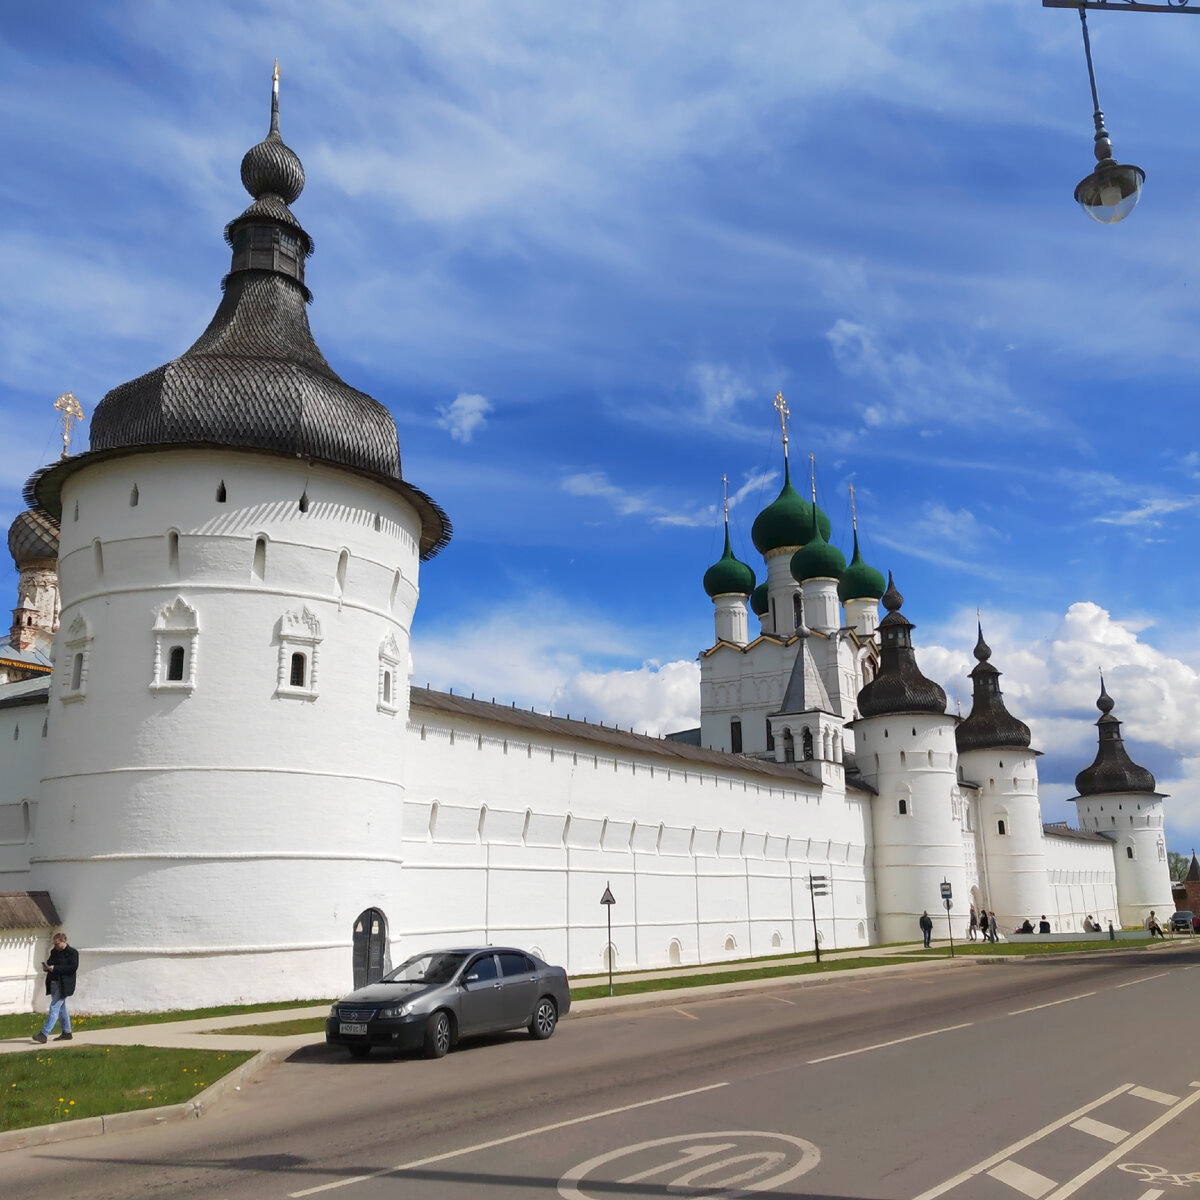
(1111, 192)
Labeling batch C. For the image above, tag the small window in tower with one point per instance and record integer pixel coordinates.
(770, 736)
(735, 735)
(902, 808)
(16, 733)
(343, 562)
(173, 549)
(806, 744)
(378, 522)
(76, 517)
(76, 672)
(797, 611)
(296, 678)
(387, 687)
(133, 497)
(903, 758)
(175, 665)
(1001, 828)
(221, 493)
(1128, 851)
(304, 501)
(258, 568)
(395, 589)
(98, 557)
(789, 747)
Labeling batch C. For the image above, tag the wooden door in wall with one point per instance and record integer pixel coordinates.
(370, 947)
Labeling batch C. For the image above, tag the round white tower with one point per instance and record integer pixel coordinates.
(1117, 799)
(904, 746)
(993, 752)
(225, 760)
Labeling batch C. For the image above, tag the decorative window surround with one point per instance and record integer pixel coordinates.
(175, 627)
(389, 661)
(78, 644)
(299, 633)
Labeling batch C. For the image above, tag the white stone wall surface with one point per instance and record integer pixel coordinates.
(1083, 879)
(213, 837)
(22, 749)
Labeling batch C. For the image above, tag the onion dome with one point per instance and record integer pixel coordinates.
(860, 582)
(787, 520)
(760, 601)
(729, 575)
(899, 687)
(32, 538)
(990, 726)
(1112, 770)
(817, 559)
(256, 380)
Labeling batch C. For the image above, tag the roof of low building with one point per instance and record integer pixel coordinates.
(27, 910)
(25, 691)
(1060, 829)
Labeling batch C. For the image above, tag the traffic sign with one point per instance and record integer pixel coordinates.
(608, 897)
(947, 891)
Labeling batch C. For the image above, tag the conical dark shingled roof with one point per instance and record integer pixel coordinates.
(255, 378)
(1112, 770)
(990, 726)
(899, 687)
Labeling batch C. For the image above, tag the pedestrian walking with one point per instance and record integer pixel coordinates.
(61, 966)
(993, 931)
(973, 925)
(926, 923)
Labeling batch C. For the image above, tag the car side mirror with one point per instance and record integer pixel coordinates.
(471, 979)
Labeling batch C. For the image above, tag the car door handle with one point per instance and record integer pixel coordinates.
(497, 986)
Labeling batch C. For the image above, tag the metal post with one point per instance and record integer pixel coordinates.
(608, 910)
(950, 927)
(812, 897)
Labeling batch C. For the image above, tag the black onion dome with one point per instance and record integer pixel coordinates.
(255, 378)
(990, 726)
(271, 167)
(33, 537)
(1112, 770)
(899, 687)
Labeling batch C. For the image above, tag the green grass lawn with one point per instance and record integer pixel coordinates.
(278, 1028)
(27, 1024)
(45, 1087)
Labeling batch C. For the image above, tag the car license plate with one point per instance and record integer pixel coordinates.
(350, 1027)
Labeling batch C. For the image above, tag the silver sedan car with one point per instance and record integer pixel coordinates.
(434, 999)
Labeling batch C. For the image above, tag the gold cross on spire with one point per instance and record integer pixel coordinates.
(812, 475)
(853, 511)
(725, 495)
(782, 409)
(69, 407)
(275, 78)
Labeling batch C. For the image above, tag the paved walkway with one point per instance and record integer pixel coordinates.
(205, 1033)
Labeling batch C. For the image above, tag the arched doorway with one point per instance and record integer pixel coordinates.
(370, 947)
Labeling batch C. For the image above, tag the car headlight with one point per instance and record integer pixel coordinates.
(333, 1011)
(391, 1014)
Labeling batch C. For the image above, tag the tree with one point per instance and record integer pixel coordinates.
(1178, 864)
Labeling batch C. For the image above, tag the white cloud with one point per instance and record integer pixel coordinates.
(721, 392)
(655, 698)
(1149, 512)
(465, 416)
(627, 504)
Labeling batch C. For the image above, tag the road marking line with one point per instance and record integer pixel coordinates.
(1152, 1194)
(1107, 1133)
(1073, 1185)
(1051, 1003)
(513, 1137)
(1027, 1182)
(682, 1013)
(1143, 979)
(1016, 1147)
(782, 1000)
(1163, 1098)
(894, 1042)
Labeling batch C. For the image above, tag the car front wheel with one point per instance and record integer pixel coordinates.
(545, 1017)
(437, 1035)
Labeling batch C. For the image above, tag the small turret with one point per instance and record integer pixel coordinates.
(729, 582)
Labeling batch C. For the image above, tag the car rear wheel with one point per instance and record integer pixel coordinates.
(438, 1035)
(359, 1051)
(545, 1017)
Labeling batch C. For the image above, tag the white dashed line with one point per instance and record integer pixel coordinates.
(1143, 979)
(1066, 1000)
(1106, 1133)
(1027, 1182)
(894, 1042)
(504, 1141)
(1163, 1098)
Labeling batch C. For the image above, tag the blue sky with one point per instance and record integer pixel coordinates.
(577, 249)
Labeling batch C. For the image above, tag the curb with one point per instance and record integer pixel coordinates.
(144, 1118)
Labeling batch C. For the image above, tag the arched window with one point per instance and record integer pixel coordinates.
(98, 557)
(797, 611)
(735, 735)
(395, 589)
(806, 744)
(176, 631)
(175, 665)
(133, 497)
(343, 562)
(173, 549)
(902, 808)
(77, 672)
(298, 670)
(1128, 851)
(304, 501)
(258, 568)
(770, 737)
(1001, 828)
(387, 689)
(389, 663)
(789, 747)
(221, 492)
(299, 634)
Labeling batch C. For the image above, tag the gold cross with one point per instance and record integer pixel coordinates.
(725, 495)
(782, 409)
(853, 510)
(69, 407)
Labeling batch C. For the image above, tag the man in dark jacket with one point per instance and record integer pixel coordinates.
(60, 968)
(926, 924)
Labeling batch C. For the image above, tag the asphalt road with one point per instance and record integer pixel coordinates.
(1073, 1078)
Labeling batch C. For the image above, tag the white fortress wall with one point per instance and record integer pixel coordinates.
(1083, 880)
(22, 746)
(522, 830)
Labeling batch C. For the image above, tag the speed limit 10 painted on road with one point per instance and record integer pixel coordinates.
(738, 1161)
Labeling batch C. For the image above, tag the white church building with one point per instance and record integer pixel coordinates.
(215, 773)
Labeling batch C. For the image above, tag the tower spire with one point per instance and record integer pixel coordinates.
(725, 497)
(275, 98)
(853, 514)
(812, 478)
(782, 409)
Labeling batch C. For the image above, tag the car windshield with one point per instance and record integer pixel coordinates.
(439, 967)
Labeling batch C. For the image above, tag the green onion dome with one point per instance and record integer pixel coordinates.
(729, 575)
(860, 582)
(787, 520)
(760, 602)
(817, 559)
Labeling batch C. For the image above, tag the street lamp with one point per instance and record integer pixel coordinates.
(1110, 193)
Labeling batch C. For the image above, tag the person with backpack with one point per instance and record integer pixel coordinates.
(926, 923)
